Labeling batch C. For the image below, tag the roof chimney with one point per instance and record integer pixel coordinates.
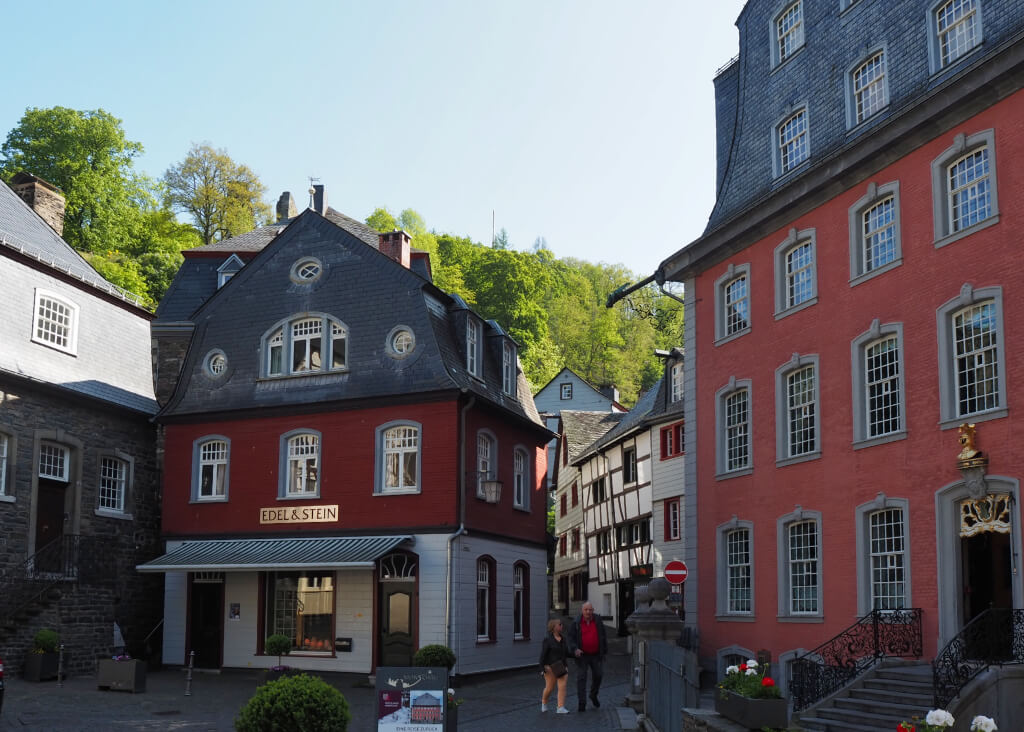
(44, 198)
(395, 244)
(610, 391)
(320, 199)
(286, 207)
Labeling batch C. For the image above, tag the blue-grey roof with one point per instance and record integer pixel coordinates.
(225, 555)
(582, 429)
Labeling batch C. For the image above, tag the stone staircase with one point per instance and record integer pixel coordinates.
(893, 692)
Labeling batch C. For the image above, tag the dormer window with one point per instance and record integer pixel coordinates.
(508, 368)
(228, 270)
(676, 380)
(305, 345)
(473, 347)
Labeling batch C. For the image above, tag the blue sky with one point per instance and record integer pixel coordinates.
(587, 122)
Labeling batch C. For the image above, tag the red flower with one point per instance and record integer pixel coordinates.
(767, 681)
(743, 667)
(905, 727)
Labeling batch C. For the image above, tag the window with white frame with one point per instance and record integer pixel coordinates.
(793, 144)
(971, 356)
(565, 391)
(797, 414)
(520, 601)
(303, 464)
(739, 571)
(789, 32)
(964, 194)
(673, 522)
(211, 460)
(868, 88)
(54, 461)
(676, 380)
(113, 484)
(956, 29)
(399, 449)
(733, 433)
(878, 388)
(883, 554)
(486, 454)
(473, 346)
(732, 303)
(796, 274)
(306, 345)
(5, 448)
(875, 245)
(521, 479)
(508, 368)
(56, 322)
(484, 599)
(799, 552)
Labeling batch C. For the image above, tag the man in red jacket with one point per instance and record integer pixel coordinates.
(588, 642)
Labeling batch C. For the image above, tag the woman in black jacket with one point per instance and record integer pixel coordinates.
(554, 652)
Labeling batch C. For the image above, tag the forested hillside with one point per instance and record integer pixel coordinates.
(132, 229)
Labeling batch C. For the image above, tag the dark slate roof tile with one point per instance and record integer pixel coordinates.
(582, 429)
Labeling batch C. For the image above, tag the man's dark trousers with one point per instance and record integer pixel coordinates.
(595, 664)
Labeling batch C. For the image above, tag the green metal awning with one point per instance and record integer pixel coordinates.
(249, 555)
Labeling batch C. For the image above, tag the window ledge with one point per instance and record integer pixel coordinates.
(941, 70)
(796, 308)
(736, 618)
(949, 424)
(209, 500)
(114, 514)
(521, 639)
(800, 619)
(732, 336)
(524, 509)
(871, 274)
(733, 474)
(782, 64)
(485, 642)
(397, 492)
(864, 123)
(880, 440)
(300, 497)
(782, 462)
(957, 236)
(7, 499)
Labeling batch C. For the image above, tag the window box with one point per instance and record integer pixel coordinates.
(752, 713)
(129, 675)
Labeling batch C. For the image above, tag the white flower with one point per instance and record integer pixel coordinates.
(939, 718)
(982, 723)
(451, 692)
(732, 670)
(751, 663)
(751, 672)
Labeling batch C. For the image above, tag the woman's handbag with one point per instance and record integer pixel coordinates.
(558, 668)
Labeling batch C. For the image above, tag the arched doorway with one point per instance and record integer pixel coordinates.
(986, 566)
(397, 604)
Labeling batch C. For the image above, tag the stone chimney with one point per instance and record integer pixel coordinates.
(286, 207)
(44, 198)
(395, 244)
(610, 391)
(320, 199)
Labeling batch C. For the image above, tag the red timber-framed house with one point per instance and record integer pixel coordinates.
(352, 458)
(854, 300)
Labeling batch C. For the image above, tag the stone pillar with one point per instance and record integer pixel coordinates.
(657, 622)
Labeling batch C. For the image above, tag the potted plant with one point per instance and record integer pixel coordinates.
(749, 697)
(43, 660)
(938, 720)
(121, 673)
(441, 656)
(293, 703)
(278, 645)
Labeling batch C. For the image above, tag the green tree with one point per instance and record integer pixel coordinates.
(224, 198)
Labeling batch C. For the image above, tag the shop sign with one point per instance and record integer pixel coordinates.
(411, 699)
(299, 515)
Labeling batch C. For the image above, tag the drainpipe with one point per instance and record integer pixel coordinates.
(462, 525)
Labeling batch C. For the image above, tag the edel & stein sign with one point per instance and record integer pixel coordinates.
(299, 515)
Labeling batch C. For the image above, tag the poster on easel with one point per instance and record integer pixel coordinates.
(411, 699)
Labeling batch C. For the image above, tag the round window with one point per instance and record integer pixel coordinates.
(401, 342)
(306, 270)
(216, 363)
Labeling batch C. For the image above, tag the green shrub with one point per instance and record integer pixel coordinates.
(278, 645)
(435, 656)
(299, 703)
(45, 641)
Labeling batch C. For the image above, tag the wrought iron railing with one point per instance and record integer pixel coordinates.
(993, 638)
(837, 662)
(70, 558)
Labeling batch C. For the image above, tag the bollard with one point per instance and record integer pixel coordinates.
(60, 666)
(188, 673)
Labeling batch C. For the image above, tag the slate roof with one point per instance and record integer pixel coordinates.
(22, 230)
(582, 429)
(366, 290)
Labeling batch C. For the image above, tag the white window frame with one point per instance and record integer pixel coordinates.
(47, 326)
(784, 409)
(869, 233)
(676, 381)
(333, 336)
(865, 552)
(630, 473)
(486, 459)
(949, 406)
(786, 277)
(726, 428)
(58, 457)
(673, 519)
(565, 391)
(867, 97)
(201, 458)
(787, 32)
(943, 195)
(483, 598)
(723, 332)
(508, 368)
(474, 337)
(970, 22)
(728, 606)
(519, 608)
(521, 479)
(791, 143)
(808, 567)
(297, 448)
(412, 445)
(862, 380)
(115, 485)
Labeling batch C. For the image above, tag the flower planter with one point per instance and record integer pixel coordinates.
(41, 666)
(752, 713)
(121, 675)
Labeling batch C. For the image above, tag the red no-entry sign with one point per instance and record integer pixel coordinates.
(675, 572)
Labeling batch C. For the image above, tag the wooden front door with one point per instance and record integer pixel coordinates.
(49, 522)
(397, 606)
(986, 573)
(206, 611)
